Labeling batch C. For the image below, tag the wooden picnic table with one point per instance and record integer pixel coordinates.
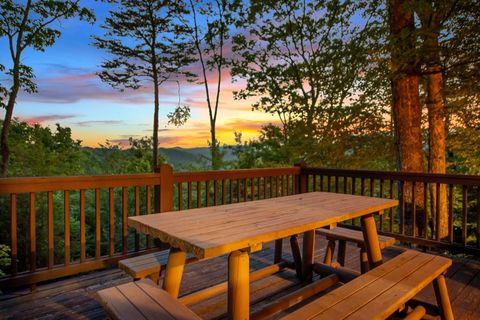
(240, 228)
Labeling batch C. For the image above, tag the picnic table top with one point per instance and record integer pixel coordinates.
(213, 231)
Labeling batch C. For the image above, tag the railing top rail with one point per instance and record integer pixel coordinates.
(43, 184)
(469, 180)
(233, 174)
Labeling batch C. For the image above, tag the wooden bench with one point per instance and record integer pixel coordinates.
(148, 265)
(142, 300)
(384, 290)
(342, 235)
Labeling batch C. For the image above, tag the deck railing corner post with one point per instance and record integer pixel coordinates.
(301, 180)
(164, 191)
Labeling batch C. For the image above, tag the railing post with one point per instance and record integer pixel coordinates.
(301, 182)
(164, 191)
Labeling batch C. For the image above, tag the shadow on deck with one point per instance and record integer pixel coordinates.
(74, 298)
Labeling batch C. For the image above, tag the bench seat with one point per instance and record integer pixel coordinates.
(356, 236)
(382, 291)
(143, 300)
(147, 265)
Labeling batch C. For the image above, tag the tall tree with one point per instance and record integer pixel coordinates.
(211, 22)
(306, 62)
(148, 47)
(30, 24)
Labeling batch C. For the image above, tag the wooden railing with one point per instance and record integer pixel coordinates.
(60, 226)
(410, 223)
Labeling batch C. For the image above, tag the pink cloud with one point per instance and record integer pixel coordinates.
(46, 118)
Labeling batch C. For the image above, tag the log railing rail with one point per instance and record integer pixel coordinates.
(60, 226)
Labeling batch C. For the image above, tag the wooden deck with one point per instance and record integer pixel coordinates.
(74, 298)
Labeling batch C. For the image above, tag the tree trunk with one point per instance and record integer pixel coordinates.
(406, 107)
(436, 130)
(214, 151)
(4, 147)
(155, 121)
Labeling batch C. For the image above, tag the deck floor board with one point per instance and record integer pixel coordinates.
(74, 298)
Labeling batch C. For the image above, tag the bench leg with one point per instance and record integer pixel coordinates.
(364, 265)
(238, 286)
(174, 271)
(369, 229)
(308, 255)
(342, 249)
(278, 251)
(443, 301)
(297, 258)
(329, 252)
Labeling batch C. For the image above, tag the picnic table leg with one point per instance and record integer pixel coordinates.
(174, 271)
(238, 286)
(308, 255)
(369, 229)
(443, 301)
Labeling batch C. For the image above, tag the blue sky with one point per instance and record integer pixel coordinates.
(71, 94)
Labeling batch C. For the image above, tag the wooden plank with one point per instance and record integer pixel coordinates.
(172, 306)
(118, 305)
(82, 227)
(124, 220)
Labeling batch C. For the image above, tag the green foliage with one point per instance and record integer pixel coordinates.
(4, 257)
(39, 151)
(310, 64)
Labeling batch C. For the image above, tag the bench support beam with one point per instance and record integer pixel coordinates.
(308, 255)
(369, 229)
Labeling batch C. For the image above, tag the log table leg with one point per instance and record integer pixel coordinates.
(329, 252)
(308, 255)
(443, 301)
(297, 257)
(174, 271)
(370, 235)
(238, 286)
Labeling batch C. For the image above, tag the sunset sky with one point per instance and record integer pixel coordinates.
(70, 93)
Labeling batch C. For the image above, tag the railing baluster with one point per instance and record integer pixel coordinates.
(148, 209)
(180, 196)
(199, 194)
(391, 209)
(13, 233)
(230, 186)
(98, 226)
(345, 180)
(82, 226)
(189, 195)
(271, 187)
(402, 207)
(124, 220)
(284, 186)
(336, 184)
(414, 211)
(252, 189)
(288, 186)
(51, 251)
(425, 210)
(478, 216)
(137, 213)
(381, 196)
(362, 186)
(464, 214)
(437, 212)
(224, 189)
(245, 189)
(314, 183)
(111, 221)
(32, 233)
(215, 192)
(207, 193)
(66, 227)
(321, 182)
(329, 182)
(450, 213)
(239, 190)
